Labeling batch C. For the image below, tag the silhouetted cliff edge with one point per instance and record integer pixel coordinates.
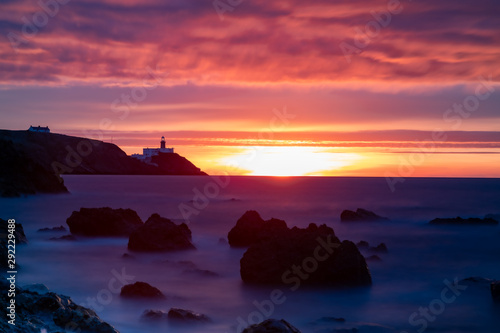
(31, 162)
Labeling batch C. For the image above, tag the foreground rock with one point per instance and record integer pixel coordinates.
(312, 256)
(361, 215)
(495, 290)
(104, 222)
(461, 221)
(251, 228)
(160, 234)
(141, 290)
(36, 312)
(187, 316)
(271, 326)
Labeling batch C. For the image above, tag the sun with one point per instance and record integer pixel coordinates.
(289, 161)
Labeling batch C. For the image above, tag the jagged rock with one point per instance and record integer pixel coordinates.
(154, 315)
(54, 313)
(251, 228)
(63, 238)
(20, 238)
(38, 288)
(495, 290)
(103, 222)
(381, 248)
(53, 229)
(362, 245)
(360, 215)
(18, 232)
(160, 234)
(141, 290)
(374, 257)
(271, 326)
(461, 221)
(339, 263)
(181, 315)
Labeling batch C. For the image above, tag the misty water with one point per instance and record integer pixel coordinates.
(410, 276)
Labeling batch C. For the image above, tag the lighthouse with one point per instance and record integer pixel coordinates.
(162, 142)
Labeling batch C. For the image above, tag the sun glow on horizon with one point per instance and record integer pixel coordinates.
(288, 161)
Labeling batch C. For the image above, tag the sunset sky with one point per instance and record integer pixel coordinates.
(345, 87)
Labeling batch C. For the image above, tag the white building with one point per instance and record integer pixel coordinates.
(148, 153)
(39, 129)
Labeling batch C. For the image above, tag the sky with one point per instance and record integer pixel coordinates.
(391, 89)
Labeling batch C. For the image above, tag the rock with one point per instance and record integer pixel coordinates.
(37, 311)
(23, 171)
(154, 315)
(381, 248)
(222, 241)
(374, 257)
(58, 229)
(461, 221)
(362, 245)
(360, 215)
(141, 290)
(104, 222)
(18, 232)
(251, 228)
(160, 234)
(495, 290)
(200, 272)
(270, 261)
(127, 256)
(20, 238)
(38, 288)
(185, 316)
(64, 238)
(271, 326)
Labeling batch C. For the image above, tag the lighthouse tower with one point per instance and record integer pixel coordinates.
(162, 142)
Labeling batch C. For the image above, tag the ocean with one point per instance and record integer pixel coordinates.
(414, 286)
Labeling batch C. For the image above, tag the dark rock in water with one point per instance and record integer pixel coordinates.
(58, 229)
(105, 222)
(360, 215)
(186, 316)
(251, 228)
(461, 221)
(154, 315)
(374, 257)
(200, 272)
(381, 248)
(319, 255)
(271, 326)
(222, 241)
(46, 310)
(20, 238)
(141, 290)
(160, 234)
(64, 238)
(127, 256)
(18, 232)
(362, 245)
(495, 217)
(495, 290)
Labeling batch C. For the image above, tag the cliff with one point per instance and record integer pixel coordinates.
(32, 162)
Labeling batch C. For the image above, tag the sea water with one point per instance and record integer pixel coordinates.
(414, 276)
